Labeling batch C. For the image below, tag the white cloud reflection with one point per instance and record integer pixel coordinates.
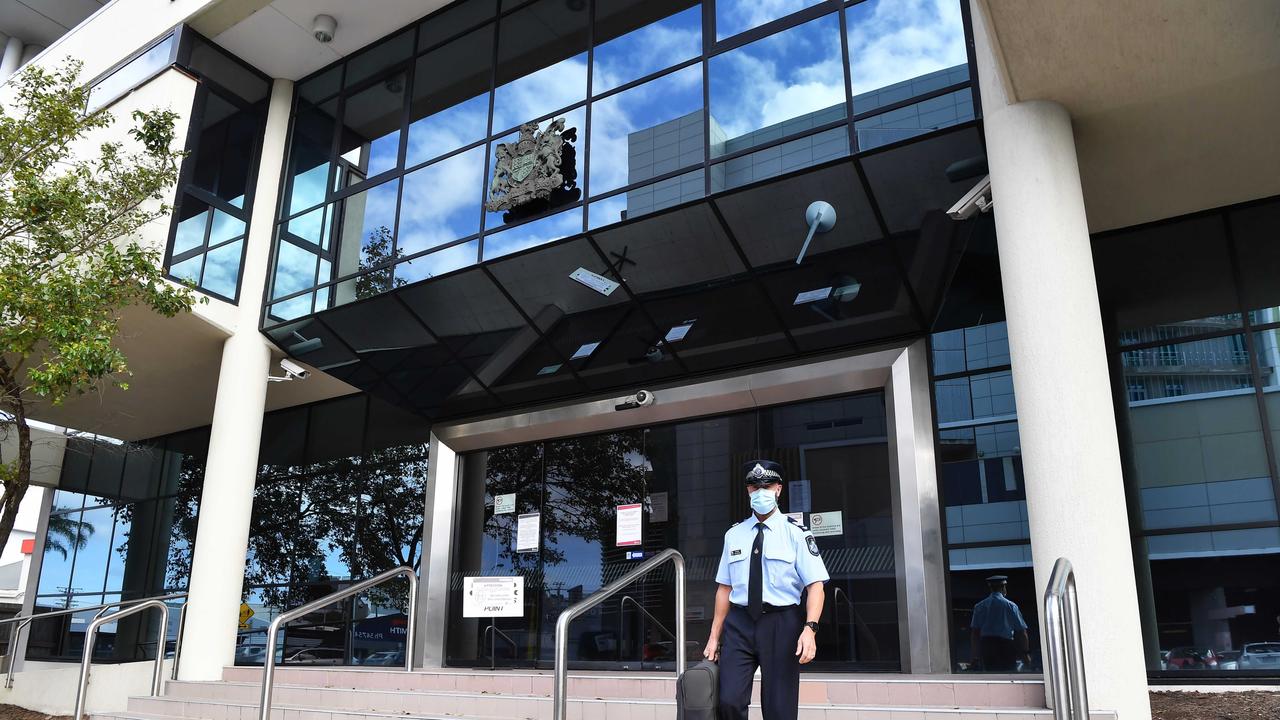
(894, 41)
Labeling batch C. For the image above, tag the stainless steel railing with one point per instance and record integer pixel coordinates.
(273, 631)
(853, 624)
(19, 624)
(493, 644)
(622, 620)
(90, 636)
(1068, 694)
(559, 700)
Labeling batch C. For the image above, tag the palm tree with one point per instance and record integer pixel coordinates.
(67, 532)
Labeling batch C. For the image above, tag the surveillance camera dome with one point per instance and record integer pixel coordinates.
(324, 27)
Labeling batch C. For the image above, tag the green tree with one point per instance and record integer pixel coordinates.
(70, 259)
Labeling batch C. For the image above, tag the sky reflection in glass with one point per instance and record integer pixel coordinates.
(735, 16)
(222, 269)
(539, 93)
(441, 202)
(532, 234)
(642, 52)
(777, 78)
(438, 263)
(626, 145)
(892, 41)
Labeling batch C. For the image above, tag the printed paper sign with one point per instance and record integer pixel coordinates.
(826, 523)
(658, 507)
(599, 283)
(527, 533)
(493, 597)
(798, 496)
(629, 521)
(503, 504)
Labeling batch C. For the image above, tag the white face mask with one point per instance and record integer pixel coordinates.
(764, 501)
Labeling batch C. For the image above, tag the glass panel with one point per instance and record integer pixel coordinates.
(128, 76)
(1197, 440)
(777, 86)
(975, 397)
(649, 130)
(647, 199)
(222, 270)
(321, 86)
(735, 16)
(370, 135)
(779, 159)
(226, 151)
(972, 348)
(899, 50)
(996, 650)
(439, 263)
(533, 234)
(571, 165)
(224, 228)
(93, 536)
(378, 58)
(456, 18)
(365, 222)
(295, 270)
(542, 62)
(312, 226)
(61, 541)
(441, 202)
(450, 103)
(215, 64)
(311, 145)
(624, 53)
(1256, 232)
(917, 119)
(1217, 597)
(193, 219)
(188, 269)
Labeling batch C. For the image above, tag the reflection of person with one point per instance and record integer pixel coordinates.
(767, 562)
(998, 632)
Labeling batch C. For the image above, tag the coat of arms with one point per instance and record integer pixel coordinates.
(536, 172)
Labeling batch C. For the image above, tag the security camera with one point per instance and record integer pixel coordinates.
(644, 398)
(323, 27)
(292, 371)
(977, 200)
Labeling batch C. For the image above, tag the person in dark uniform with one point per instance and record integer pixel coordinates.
(997, 630)
(769, 561)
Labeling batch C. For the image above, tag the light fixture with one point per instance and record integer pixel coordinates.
(820, 217)
(323, 28)
(304, 345)
(585, 349)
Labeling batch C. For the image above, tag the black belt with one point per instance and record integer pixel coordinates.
(766, 608)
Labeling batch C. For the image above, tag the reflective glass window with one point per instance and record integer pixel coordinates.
(975, 397)
(295, 270)
(542, 62)
(222, 269)
(532, 234)
(779, 159)
(226, 149)
(627, 49)
(735, 16)
(132, 73)
(450, 103)
(369, 140)
(649, 130)
(915, 119)
(455, 18)
(766, 90)
(93, 538)
(310, 146)
(193, 221)
(899, 50)
(441, 202)
(438, 262)
(571, 166)
(378, 58)
(366, 223)
(1256, 232)
(646, 199)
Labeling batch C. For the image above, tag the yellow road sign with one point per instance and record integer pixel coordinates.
(246, 612)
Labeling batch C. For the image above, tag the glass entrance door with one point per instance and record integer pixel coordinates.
(686, 479)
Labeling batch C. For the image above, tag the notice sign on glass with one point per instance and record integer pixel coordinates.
(493, 597)
(826, 523)
(503, 504)
(629, 519)
(527, 533)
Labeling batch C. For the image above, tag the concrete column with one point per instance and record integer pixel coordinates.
(12, 58)
(226, 502)
(1070, 451)
(29, 53)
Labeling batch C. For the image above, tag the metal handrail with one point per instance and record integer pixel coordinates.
(622, 617)
(559, 702)
(15, 633)
(90, 636)
(273, 631)
(1069, 695)
(493, 645)
(853, 623)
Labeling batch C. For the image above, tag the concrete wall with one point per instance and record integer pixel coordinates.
(51, 687)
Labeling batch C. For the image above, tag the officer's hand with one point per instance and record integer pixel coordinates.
(712, 650)
(806, 646)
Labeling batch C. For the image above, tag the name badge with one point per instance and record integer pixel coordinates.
(735, 552)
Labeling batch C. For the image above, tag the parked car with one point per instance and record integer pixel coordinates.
(251, 653)
(1260, 656)
(317, 656)
(1229, 660)
(1193, 658)
(393, 658)
(1164, 659)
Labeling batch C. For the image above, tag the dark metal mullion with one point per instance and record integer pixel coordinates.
(540, 119)
(781, 141)
(771, 28)
(529, 321)
(187, 169)
(913, 100)
(971, 55)
(586, 131)
(1158, 532)
(488, 137)
(444, 156)
(708, 39)
(218, 203)
(647, 182)
(453, 354)
(284, 185)
(1255, 367)
(1011, 542)
(848, 80)
(630, 84)
(635, 301)
(893, 251)
(535, 218)
(754, 276)
(347, 346)
(1006, 367)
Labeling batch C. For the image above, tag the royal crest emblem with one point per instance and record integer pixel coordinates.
(535, 172)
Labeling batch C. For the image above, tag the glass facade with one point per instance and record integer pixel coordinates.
(215, 190)
(663, 102)
(687, 477)
(1191, 308)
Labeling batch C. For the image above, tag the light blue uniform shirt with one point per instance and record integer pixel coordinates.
(791, 560)
(997, 616)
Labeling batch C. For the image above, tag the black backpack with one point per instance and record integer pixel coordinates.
(696, 692)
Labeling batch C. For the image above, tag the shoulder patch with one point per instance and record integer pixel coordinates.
(813, 545)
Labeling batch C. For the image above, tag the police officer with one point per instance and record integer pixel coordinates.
(768, 562)
(997, 631)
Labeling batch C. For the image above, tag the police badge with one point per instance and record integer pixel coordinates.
(536, 172)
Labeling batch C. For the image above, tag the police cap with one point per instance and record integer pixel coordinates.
(998, 579)
(762, 472)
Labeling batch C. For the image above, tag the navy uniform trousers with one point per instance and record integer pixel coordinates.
(769, 643)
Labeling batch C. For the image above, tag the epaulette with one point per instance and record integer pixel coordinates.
(797, 523)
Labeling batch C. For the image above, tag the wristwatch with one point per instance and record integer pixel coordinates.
(812, 626)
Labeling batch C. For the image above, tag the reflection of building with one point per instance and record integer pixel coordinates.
(330, 208)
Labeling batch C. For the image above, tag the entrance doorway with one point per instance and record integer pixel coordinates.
(686, 476)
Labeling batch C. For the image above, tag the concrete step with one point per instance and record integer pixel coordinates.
(869, 689)
(167, 708)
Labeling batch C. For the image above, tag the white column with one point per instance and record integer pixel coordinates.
(1070, 450)
(226, 502)
(12, 58)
